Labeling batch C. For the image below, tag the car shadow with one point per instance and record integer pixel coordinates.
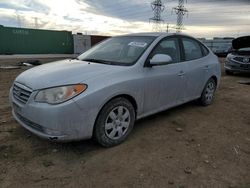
(158, 117)
(44, 147)
(237, 75)
(245, 75)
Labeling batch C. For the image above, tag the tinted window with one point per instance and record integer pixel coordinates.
(205, 50)
(192, 49)
(169, 47)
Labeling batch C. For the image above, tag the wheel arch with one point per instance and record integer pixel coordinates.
(215, 79)
(130, 98)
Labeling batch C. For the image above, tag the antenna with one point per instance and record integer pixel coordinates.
(180, 10)
(157, 8)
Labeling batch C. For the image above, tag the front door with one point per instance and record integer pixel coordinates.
(164, 84)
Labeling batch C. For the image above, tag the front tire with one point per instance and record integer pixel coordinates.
(208, 92)
(114, 122)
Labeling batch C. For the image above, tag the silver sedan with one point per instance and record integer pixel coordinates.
(101, 93)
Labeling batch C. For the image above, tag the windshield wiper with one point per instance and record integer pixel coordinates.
(98, 61)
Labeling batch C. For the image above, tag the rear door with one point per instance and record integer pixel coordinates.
(196, 67)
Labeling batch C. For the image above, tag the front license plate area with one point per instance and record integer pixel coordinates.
(245, 66)
(17, 109)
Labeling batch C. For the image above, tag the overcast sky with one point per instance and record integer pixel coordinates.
(206, 18)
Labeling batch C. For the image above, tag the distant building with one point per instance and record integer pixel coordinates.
(39, 41)
(219, 46)
(84, 42)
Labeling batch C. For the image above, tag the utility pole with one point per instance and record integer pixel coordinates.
(36, 23)
(180, 10)
(157, 8)
(167, 27)
(19, 24)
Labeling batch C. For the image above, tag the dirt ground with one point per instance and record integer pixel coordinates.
(188, 146)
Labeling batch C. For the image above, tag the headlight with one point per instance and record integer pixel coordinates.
(59, 94)
(229, 57)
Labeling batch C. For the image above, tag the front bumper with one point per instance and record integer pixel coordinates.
(62, 122)
(237, 67)
(33, 127)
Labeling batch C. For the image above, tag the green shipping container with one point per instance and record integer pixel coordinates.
(35, 41)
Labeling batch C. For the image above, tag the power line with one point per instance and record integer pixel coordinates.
(157, 8)
(180, 10)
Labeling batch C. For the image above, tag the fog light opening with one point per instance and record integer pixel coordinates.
(53, 138)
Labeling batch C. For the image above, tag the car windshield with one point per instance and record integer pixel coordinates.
(123, 50)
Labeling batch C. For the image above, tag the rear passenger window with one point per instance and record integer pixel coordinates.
(192, 49)
(205, 50)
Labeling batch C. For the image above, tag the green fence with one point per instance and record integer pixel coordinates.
(33, 41)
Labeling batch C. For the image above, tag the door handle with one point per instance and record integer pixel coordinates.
(181, 73)
(206, 67)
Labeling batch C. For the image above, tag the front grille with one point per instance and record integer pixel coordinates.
(239, 59)
(21, 94)
(242, 59)
(30, 123)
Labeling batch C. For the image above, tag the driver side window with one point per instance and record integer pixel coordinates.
(169, 47)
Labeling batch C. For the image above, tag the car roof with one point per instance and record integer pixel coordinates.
(155, 34)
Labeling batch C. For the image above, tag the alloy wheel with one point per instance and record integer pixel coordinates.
(117, 122)
(209, 93)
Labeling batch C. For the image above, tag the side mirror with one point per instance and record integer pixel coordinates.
(160, 59)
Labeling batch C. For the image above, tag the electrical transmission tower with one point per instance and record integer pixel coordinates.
(157, 8)
(180, 10)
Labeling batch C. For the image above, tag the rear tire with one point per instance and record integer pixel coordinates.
(114, 122)
(207, 96)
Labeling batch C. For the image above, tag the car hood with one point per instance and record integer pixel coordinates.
(241, 42)
(63, 72)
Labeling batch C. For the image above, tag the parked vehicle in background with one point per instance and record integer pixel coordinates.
(239, 58)
(220, 46)
(102, 92)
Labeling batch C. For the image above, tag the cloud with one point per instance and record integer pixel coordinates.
(206, 18)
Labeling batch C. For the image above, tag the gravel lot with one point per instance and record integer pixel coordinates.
(187, 146)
